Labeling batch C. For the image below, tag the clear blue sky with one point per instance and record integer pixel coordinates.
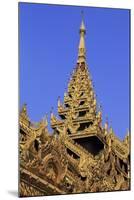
(48, 46)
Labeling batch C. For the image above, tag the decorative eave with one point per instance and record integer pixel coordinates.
(55, 121)
(42, 185)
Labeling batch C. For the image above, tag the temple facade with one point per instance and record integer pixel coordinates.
(81, 155)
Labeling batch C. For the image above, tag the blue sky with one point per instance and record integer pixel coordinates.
(48, 46)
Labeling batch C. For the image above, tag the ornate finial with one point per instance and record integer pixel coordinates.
(111, 132)
(128, 132)
(51, 113)
(126, 139)
(24, 116)
(100, 107)
(24, 108)
(82, 27)
(82, 49)
(65, 94)
(23, 112)
(59, 103)
(99, 116)
(45, 121)
(106, 124)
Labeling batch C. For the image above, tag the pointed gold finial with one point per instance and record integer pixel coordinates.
(24, 108)
(23, 111)
(59, 102)
(82, 27)
(51, 113)
(106, 124)
(126, 139)
(82, 49)
(24, 116)
(45, 121)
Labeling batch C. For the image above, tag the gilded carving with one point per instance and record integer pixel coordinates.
(81, 155)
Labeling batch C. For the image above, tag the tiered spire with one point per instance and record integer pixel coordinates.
(79, 110)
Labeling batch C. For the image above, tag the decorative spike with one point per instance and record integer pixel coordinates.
(59, 103)
(127, 133)
(24, 115)
(106, 124)
(111, 131)
(51, 113)
(45, 121)
(126, 140)
(24, 109)
(82, 49)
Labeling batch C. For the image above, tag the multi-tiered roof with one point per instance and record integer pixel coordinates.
(79, 111)
(81, 155)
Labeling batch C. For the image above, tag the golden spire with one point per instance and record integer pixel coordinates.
(82, 49)
(79, 106)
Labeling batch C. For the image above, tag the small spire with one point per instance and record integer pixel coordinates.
(82, 27)
(106, 123)
(24, 108)
(23, 111)
(126, 139)
(82, 49)
(23, 114)
(45, 121)
(59, 102)
(51, 112)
